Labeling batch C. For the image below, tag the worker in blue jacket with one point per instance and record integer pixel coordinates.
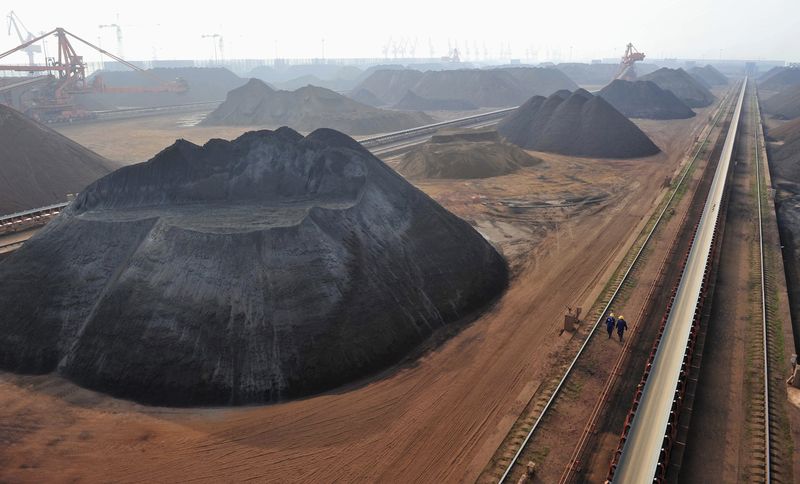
(622, 325)
(610, 323)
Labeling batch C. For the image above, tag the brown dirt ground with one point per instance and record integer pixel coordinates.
(437, 418)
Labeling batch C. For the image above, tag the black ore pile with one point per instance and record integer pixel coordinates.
(39, 166)
(247, 271)
(644, 99)
(577, 124)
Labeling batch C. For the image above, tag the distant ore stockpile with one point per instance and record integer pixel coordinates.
(685, 87)
(307, 109)
(38, 166)
(644, 99)
(577, 124)
(255, 270)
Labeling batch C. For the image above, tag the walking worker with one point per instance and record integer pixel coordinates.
(622, 325)
(610, 322)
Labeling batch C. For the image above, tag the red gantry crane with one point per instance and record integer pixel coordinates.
(68, 73)
(626, 68)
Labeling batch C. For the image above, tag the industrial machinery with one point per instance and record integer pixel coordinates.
(14, 21)
(626, 68)
(55, 102)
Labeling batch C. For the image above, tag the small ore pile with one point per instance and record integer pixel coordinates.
(307, 109)
(247, 271)
(684, 86)
(785, 104)
(578, 124)
(644, 99)
(39, 167)
(709, 76)
(465, 155)
(412, 102)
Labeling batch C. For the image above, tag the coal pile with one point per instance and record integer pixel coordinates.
(780, 79)
(785, 104)
(412, 102)
(466, 155)
(499, 87)
(206, 84)
(39, 167)
(247, 271)
(709, 76)
(306, 109)
(644, 99)
(684, 86)
(579, 124)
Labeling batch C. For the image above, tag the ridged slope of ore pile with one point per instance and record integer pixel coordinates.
(684, 86)
(578, 124)
(644, 99)
(247, 271)
(465, 155)
(307, 109)
(785, 104)
(709, 76)
(413, 102)
(39, 166)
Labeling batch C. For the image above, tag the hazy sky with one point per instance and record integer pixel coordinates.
(532, 29)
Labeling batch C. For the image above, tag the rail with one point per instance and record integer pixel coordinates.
(17, 217)
(431, 128)
(611, 300)
(767, 439)
(652, 423)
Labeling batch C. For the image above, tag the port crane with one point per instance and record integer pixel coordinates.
(67, 73)
(14, 21)
(626, 68)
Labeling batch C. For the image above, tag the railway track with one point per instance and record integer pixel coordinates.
(618, 286)
(772, 350)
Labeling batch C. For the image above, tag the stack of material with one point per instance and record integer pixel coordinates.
(269, 267)
(576, 124)
(684, 86)
(307, 109)
(38, 166)
(471, 154)
(644, 99)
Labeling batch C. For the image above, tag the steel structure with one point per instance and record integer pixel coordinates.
(68, 71)
(626, 69)
(14, 21)
(515, 461)
(652, 422)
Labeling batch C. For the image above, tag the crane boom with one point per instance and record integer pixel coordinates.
(626, 66)
(14, 21)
